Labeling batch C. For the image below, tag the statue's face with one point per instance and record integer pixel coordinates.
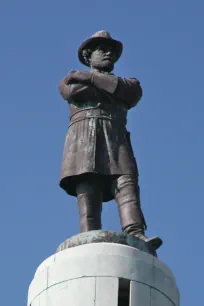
(103, 58)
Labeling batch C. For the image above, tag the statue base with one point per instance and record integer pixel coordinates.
(101, 268)
(106, 236)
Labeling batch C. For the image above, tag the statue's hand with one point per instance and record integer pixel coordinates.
(68, 78)
(78, 77)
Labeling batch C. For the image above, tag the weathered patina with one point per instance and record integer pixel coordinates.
(98, 161)
(97, 140)
(100, 236)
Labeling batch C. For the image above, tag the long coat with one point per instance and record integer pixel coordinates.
(97, 140)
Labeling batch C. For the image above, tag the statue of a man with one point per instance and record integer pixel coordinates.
(98, 162)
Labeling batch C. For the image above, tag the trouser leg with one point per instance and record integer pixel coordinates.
(89, 195)
(127, 195)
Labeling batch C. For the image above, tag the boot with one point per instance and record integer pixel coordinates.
(127, 196)
(133, 229)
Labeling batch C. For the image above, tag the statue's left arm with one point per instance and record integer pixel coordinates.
(128, 90)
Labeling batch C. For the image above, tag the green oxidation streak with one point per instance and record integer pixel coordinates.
(84, 104)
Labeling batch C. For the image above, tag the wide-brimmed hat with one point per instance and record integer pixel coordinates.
(100, 37)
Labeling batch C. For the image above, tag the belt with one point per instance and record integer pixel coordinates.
(117, 114)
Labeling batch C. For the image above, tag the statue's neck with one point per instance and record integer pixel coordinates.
(100, 71)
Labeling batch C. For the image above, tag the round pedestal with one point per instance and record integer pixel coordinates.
(103, 274)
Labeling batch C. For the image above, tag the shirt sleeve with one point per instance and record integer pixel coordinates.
(76, 91)
(107, 82)
(129, 90)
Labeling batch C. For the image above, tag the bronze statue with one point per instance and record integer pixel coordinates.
(98, 162)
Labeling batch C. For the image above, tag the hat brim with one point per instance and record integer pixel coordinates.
(92, 42)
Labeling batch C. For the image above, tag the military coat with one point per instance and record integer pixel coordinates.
(97, 140)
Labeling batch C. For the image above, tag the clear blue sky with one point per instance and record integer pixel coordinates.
(163, 48)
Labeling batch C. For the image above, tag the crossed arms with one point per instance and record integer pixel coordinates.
(81, 85)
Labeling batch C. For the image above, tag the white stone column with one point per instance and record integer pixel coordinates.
(103, 274)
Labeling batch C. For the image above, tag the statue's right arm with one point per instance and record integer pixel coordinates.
(76, 91)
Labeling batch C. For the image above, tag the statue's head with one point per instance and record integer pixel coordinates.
(100, 51)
